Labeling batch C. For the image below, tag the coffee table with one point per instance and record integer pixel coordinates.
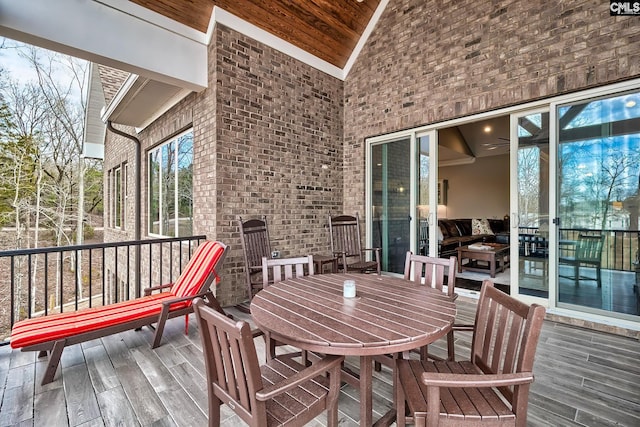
(496, 256)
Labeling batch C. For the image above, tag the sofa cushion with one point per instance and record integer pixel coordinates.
(464, 225)
(449, 228)
(498, 225)
(481, 226)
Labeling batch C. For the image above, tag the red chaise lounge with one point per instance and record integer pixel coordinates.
(51, 334)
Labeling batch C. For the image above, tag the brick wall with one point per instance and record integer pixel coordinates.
(431, 60)
(278, 123)
(267, 141)
(267, 123)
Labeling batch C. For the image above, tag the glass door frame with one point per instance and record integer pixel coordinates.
(514, 233)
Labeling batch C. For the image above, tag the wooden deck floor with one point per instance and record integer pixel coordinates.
(583, 378)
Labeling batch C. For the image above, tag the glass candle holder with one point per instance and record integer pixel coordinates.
(349, 289)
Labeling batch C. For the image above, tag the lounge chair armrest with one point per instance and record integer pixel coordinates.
(317, 368)
(147, 291)
(187, 298)
(475, 380)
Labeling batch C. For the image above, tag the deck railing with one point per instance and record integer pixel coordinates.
(619, 249)
(47, 280)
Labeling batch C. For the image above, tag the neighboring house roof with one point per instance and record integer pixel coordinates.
(111, 80)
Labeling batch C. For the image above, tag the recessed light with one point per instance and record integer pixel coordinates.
(487, 129)
(630, 103)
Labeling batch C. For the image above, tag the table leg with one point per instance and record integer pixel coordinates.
(492, 265)
(366, 387)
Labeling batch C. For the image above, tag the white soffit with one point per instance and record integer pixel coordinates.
(141, 100)
(95, 30)
(116, 33)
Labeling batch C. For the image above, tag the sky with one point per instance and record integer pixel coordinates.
(18, 68)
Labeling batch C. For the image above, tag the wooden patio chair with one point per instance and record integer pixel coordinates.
(255, 245)
(346, 245)
(492, 388)
(275, 270)
(431, 272)
(280, 393)
(588, 252)
(52, 333)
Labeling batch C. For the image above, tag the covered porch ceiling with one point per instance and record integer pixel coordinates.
(164, 43)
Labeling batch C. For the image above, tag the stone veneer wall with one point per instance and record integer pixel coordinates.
(429, 60)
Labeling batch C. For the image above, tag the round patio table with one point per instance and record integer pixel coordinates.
(388, 315)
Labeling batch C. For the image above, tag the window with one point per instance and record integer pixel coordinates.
(171, 187)
(117, 197)
(117, 190)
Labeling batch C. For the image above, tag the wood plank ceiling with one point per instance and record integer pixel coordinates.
(328, 29)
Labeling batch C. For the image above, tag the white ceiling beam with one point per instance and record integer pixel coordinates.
(109, 32)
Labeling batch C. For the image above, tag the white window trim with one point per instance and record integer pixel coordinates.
(154, 149)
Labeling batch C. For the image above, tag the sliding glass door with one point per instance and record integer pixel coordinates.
(390, 207)
(532, 204)
(598, 204)
(401, 188)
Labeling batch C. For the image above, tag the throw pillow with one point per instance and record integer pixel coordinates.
(480, 226)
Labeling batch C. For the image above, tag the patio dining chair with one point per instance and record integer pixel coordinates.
(492, 388)
(275, 270)
(280, 393)
(588, 253)
(346, 245)
(431, 272)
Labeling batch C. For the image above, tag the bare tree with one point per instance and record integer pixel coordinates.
(49, 111)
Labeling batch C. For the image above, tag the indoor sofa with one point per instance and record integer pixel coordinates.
(460, 232)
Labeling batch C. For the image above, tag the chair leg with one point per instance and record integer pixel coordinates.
(214, 410)
(332, 398)
(164, 315)
(451, 348)
(54, 361)
(270, 345)
(399, 400)
(598, 276)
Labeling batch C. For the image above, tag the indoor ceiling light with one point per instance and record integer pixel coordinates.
(487, 129)
(630, 103)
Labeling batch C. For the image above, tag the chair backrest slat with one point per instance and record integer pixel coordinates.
(431, 271)
(344, 231)
(280, 269)
(505, 335)
(255, 245)
(200, 271)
